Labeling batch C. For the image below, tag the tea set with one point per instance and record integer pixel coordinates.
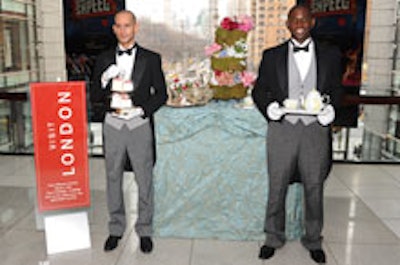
(313, 103)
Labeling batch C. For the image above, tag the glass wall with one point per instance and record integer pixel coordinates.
(179, 30)
(18, 67)
(17, 44)
(365, 144)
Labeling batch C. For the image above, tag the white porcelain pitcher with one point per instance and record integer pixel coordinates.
(314, 101)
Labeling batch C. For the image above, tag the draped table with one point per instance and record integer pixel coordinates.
(210, 176)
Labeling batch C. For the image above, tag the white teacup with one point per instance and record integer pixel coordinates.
(290, 103)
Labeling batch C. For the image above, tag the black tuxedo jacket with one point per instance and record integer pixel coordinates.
(272, 81)
(149, 86)
(147, 77)
(273, 78)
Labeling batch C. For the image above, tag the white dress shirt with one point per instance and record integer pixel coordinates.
(125, 63)
(303, 58)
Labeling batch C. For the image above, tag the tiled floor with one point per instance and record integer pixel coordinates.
(362, 224)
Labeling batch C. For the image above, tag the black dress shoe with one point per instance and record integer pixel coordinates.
(111, 243)
(146, 244)
(266, 252)
(318, 255)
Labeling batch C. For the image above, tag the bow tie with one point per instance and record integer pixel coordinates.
(298, 48)
(128, 51)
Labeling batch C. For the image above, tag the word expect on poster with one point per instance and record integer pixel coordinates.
(93, 8)
(331, 7)
(60, 138)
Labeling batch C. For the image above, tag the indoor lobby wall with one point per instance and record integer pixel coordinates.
(380, 43)
(50, 34)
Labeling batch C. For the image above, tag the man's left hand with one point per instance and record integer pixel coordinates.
(327, 115)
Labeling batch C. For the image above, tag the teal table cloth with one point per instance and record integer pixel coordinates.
(210, 175)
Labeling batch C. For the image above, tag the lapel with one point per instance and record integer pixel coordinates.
(139, 66)
(282, 69)
(321, 69)
(111, 57)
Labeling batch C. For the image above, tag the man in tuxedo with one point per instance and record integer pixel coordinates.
(128, 130)
(298, 146)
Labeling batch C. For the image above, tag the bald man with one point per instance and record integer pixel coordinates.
(129, 82)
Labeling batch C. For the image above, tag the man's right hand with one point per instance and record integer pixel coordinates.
(274, 111)
(111, 72)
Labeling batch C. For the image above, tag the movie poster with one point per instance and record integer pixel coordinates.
(87, 27)
(342, 23)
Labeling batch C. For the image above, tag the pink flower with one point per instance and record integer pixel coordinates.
(245, 23)
(217, 72)
(248, 78)
(229, 24)
(225, 79)
(209, 50)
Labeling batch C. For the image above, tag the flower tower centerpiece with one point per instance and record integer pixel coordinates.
(228, 53)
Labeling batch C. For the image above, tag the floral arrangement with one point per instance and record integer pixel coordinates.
(232, 78)
(186, 91)
(228, 58)
(244, 23)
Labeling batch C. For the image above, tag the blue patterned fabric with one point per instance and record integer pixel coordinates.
(210, 175)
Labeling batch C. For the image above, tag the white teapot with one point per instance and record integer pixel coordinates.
(313, 101)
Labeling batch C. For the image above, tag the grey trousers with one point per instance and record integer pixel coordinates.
(136, 145)
(293, 149)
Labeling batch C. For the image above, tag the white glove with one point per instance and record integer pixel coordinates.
(274, 111)
(111, 72)
(131, 113)
(327, 115)
(137, 111)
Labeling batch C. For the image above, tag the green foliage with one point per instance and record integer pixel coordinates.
(229, 37)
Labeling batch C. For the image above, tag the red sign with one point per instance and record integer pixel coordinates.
(60, 138)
